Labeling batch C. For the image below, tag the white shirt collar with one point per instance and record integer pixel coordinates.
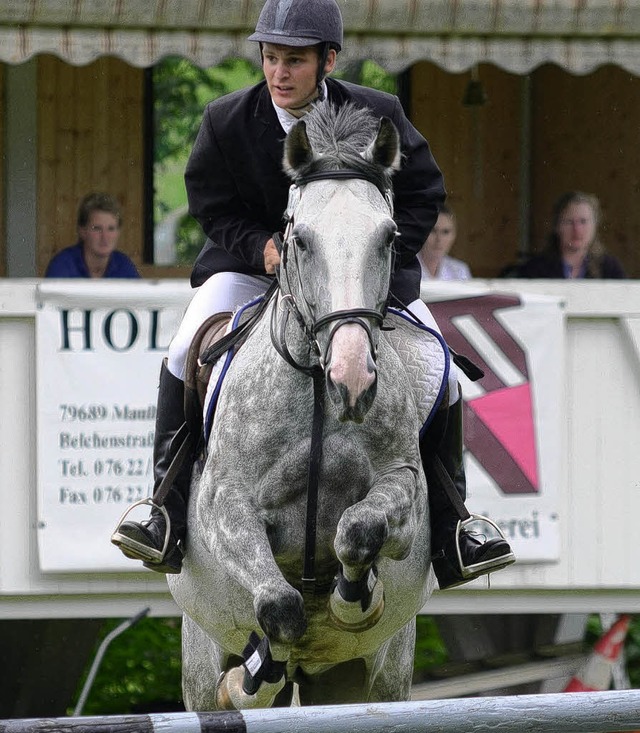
(287, 120)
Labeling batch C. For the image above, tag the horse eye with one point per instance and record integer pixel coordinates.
(299, 242)
(391, 236)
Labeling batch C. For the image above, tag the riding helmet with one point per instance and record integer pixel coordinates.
(300, 23)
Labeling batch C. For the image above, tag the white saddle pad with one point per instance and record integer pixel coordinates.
(422, 351)
(426, 359)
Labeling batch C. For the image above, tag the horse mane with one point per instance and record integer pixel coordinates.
(339, 136)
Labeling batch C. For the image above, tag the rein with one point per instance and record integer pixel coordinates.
(315, 371)
(313, 480)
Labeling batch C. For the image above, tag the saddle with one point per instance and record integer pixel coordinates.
(219, 333)
(198, 369)
(212, 339)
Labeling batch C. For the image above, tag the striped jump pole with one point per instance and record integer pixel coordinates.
(617, 710)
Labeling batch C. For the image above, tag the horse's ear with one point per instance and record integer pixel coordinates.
(385, 149)
(297, 148)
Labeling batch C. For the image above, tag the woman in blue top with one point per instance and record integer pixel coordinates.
(94, 255)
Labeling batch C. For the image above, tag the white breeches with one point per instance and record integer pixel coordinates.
(227, 291)
(223, 291)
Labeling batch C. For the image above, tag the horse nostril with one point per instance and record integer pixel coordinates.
(352, 407)
(371, 364)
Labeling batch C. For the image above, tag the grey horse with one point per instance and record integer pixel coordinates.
(320, 361)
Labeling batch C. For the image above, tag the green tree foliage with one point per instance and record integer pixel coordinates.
(376, 77)
(632, 651)
(177, 89)
(140, 671)
(430, 649)
(181, 91)
(370, 74)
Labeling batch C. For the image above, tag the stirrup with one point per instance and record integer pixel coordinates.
(486, 566)
(144, 552)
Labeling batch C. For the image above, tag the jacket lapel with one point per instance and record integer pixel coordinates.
(268, 130)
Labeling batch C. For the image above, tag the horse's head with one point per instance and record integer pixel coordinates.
(338, 249)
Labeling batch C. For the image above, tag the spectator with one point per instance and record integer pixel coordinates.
(574, 248)
(94, 254)
(434, 256)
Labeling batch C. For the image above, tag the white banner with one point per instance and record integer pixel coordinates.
(100, 345)
(512, 416)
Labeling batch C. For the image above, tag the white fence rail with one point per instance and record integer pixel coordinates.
(596, 712)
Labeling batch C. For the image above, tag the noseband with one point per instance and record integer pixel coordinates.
(359, 316)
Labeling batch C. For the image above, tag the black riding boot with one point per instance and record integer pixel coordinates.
(146, 540)
(457, 556)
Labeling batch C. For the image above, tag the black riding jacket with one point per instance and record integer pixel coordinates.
(238, 191)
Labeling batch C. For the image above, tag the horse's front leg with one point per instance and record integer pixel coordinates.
(383, 523)
(238, 539)
(240, 544)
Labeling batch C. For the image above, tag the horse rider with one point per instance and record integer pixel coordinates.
(238, 192)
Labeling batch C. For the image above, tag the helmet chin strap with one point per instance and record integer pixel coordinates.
(318, 96)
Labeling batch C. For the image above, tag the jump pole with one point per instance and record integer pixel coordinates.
(616, 710)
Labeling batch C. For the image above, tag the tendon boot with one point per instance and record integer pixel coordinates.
(457, 556)
(159, 540)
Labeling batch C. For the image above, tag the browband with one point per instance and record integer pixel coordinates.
(340, 174)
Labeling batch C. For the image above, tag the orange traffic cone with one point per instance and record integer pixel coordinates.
(596, 673)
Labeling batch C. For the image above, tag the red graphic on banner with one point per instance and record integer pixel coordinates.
(499, 425)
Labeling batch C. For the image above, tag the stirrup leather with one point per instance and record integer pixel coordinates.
(486, 566)
(144, 552)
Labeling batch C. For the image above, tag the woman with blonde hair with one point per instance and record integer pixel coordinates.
(574, 248)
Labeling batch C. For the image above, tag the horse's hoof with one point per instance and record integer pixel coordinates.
(280, 613)
(349, 616)
(230, 694)
(224, 697)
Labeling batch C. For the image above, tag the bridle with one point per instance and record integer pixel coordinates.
(309, 325)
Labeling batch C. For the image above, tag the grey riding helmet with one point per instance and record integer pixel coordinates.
(300, 23)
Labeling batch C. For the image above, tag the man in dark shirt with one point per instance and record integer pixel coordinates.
(95, 255)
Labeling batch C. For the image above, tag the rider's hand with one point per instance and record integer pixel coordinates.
(271, 257)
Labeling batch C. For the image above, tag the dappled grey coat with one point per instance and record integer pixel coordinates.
(238, 191)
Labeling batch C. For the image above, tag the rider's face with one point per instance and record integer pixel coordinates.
(291, 73)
